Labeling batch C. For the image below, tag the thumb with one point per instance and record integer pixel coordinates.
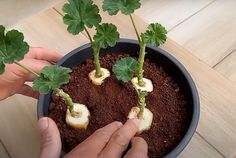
(50, 138)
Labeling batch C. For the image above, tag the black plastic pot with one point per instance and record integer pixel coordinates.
(160, 57)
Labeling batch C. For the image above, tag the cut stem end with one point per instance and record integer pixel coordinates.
(98, 80)
(145, 117)
(79, 117)
(146, 84)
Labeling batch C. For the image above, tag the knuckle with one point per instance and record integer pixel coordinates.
(140, 140)
(102, 134)
(117, 124)
(120, 139)
(133, 125)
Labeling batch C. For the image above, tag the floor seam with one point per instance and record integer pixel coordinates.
(224, 58)
(189, 17)
(4, 147)
(219, 152)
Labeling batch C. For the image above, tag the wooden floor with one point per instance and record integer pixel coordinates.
(202, 36)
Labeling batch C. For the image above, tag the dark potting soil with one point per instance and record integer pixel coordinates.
(113, 100)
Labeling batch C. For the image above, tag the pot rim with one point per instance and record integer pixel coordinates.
(196, 102)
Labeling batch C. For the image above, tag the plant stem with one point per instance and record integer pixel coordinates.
(141, 61)
(141, 54)
(66, 97)
(90, 38)
(26, 68)
(96, 50)
(141, 103)
(135, 28)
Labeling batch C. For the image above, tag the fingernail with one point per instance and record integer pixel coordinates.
(43, 124)
(136, 121)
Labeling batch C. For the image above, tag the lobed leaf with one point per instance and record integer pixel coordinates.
(80, 13)
(12, 47)
(125, 68)
(106, 35)
(126, 7)
(51, 77)
(155, 35)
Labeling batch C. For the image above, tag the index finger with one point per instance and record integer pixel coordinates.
(120, 139)
(93, 145)
(43, 54)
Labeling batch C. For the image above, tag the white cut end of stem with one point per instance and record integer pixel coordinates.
(80, 116)
(99, 80)
(146, 120)
(148, 86)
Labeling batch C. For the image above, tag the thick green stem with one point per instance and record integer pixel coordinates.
(141, 54)
(96, 50)
(141, 61)
(141, 103)
(66, 97)
(26, 68)
(135, 28)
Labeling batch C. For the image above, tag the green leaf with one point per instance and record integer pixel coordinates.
(106, 35)
(126, 7)
(155, 35)
(80, 13)
(125, 68)
(51, 77)
(12, 47)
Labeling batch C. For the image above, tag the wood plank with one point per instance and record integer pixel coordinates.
(165, 12)
(18, 132)
(46, 29)
(3, 151)
(14, 10)
(198, 148)
(211, 34)
(217, 95)
(227, 67)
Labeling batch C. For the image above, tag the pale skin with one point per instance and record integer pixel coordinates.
(109, 141)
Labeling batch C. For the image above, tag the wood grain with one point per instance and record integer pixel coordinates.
(170, 13)
(211, 34)
(200, 149)
(228, 67)
(13, 11)
(217, 95)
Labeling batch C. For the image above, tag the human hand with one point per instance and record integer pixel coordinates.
(109, 141)
(14, 78)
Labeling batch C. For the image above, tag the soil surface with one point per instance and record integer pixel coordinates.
(113, 100)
